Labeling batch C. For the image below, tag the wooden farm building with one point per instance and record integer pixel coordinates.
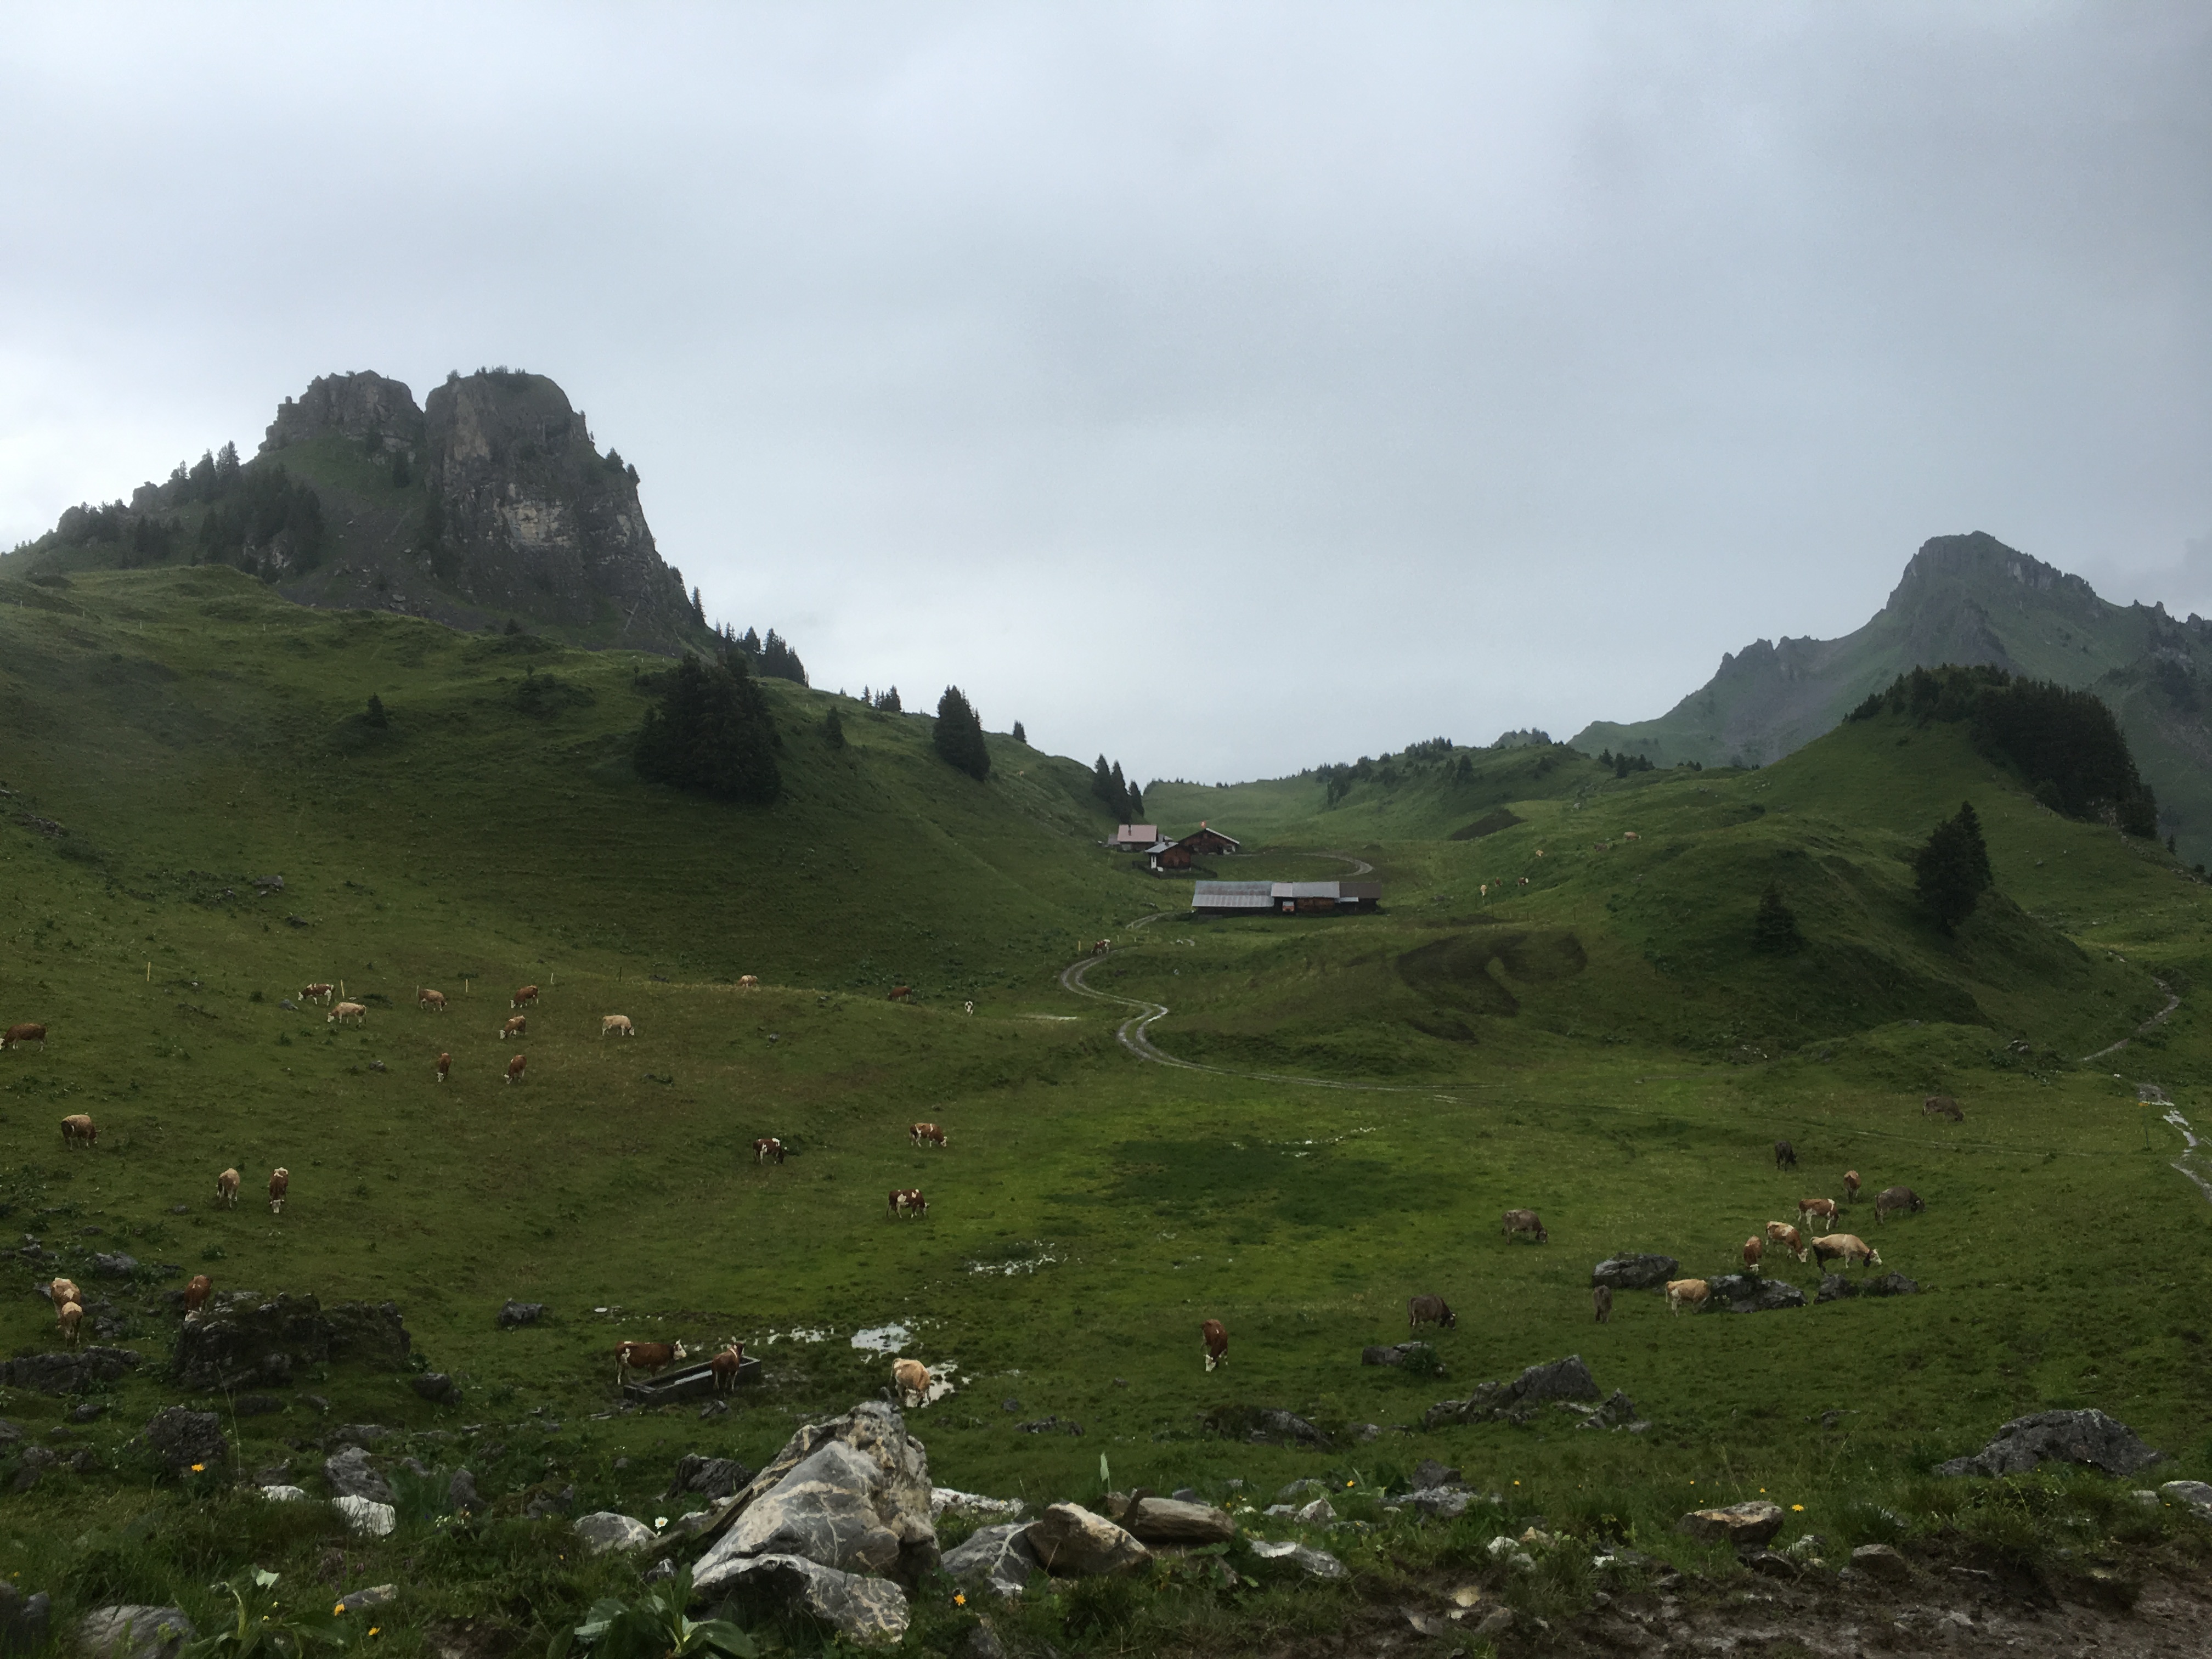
(1201, 843)
(1134, 837)
(1301, 898)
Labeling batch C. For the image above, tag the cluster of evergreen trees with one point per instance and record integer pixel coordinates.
(958, 737)
(268, 525)
(887, 699)
(1624, 762)
(772, 657)
(1117, 795)
(713, 734)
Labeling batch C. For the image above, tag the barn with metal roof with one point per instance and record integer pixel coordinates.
(1302, 898)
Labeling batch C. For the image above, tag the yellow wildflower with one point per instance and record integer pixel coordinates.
(960, 1601)
(196, 1467)
(1798, 1507)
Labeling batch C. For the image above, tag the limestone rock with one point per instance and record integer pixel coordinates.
(997, 1557)
(118, 1266)
(118, 1631)
(1880, 1561)
(1752, 1293)
(1415, 1356)
(2087, 1438)
(1520, 1399)
(180, 1437)
(361, 406)
(2195, 1493)
(1070, 1541)
(710, 1477)
(75, 1372)
(367, 1516)
(944, 1499)
(1632, 1271)
(859, 1609)
(437, 1387)
(1314, 1564)
(604, 1530)
(521, 1313)
(349, 1475)
(461, 1492)
(283, 1494)
(374, 1595)
(240, 1339)
(1173, 1521)
(1441, 1502)
(1750, 1524)
(1316, 1514)
(1264, 1425)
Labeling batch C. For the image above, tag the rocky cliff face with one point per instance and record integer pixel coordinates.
(364, 406)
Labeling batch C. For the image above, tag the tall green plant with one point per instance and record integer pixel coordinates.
(265, 1627)
(654, 1626)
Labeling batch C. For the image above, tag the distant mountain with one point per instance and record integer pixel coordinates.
(1963, 599)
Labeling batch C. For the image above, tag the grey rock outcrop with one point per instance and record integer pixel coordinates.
(604, 1531)
(180, 1438)
(1313, 1562)
(121, 1631)
(2087, 1438)
(1836, 1287)
(363, 406)
(1880, 1561)
(242, 1338)
(1520, 1399)
(1752, 1293)
(1264, 1425)
(2194, 1493)
(709, 1477)
(521, 1313)
(365, 1516)
(436, 1387)
(867, 1610)
(1746, 1525)
(1172, 1521)
(1633, 1272)
(999, 1558)
(76, 1371)
(349, 1475)
(1070, 1541)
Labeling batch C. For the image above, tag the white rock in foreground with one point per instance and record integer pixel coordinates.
(1314, 1564)
(367, 1516)
(604, 1530)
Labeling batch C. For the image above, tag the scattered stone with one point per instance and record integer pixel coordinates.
(521, 1313)
(349, 1475)
(25, 1620)
(660, 1572)
(1177, 1521)
(367, 1516)
(1313, 1562)
(89, 1411)
(1635, 1273)
(1421, 1356)
(548, 1505)
(1752, 1293)
(1441, 1502)
(9, 1432)
(118, 1266)
(1771, 1564)
(277, 1493)
(942, 1498)
(603, 1530)
(1880, 1561)
(355, 1434)
(2194, 1493)
(1068, 1540)
(1890, 1283)
(999, 1557)
(1367, 1432)
(239, 1338)
(714, 1478)
(2087, 1438)
(375, 1595)
(1519, 1400)
(78, 1371)
(861, 1609)
(1316, 1514)
(133, 1632)
(1051, 1425)
(1618, 1412)
(1494, 1624)
(437, 1387)
(1264, 1425)
(982, 1642)
(1752, 1523)
(180, 1437)
(1427, 1624)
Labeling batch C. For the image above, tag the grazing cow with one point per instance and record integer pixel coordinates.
(1691, 1291)
(16, 1036)
(1941, 1106)
(901, 994)
(318, 992)
(1429, 1310)
(615, 1026)
(1782, 1233)
(929, 1132)
(1810, 1210)
(748, 981)
(1485, 889)
(515, 1067)
(69, 1316)
(1628, 835)
(78, 1130)
(768, 1150)
(905, 1200)
(280, 1182)
(1785, 1156)
(445, 1065)
(346, 1013)
(63, 1290)
(1524, 881)
(433, 1000)
(726, 1365)
(1602, 1300)
(1100, 947)
(1897, 1201)
(1217, 1343)
(649, 1357)
(1851, 1186)
(196, 1292)
(911, 1378)
(1525, 1221)
(517, 1025)
(1847, 1248)
(226, 1190)
(524, 996)
(968, 1006)
(1754, 1249)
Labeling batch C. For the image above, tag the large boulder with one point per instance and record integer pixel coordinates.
(1264, 1425)
(367, 1516)
(999, 1558)
(118, 1631)
(1069, 1541)
(1630, 1272)
(2087, 1438)
(1556, 1381)
(76, 1371)
(514, 1313)
(242, 1338)
(859, 1609)
(1746, 1525)
(349, 1475)
(1836, 1287)
(604, 1530)
(1173, 1521)
(186, 1440)
(1752, 1293)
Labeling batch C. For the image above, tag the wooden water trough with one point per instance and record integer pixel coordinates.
(691, 1381)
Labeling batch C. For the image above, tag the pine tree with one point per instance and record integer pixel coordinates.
(1969, 826)
(376, 715)
(226, 466)
(959, 735)
(1136, 804)
(1951, 870)
(1021, 736)
(1775, 928)
(887, 700)
(698, 607)
(833, 730)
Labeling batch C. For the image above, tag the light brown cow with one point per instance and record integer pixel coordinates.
(1754, 1248)
(1897, 1201)
(196, 1292)
(1602, 1300)
(768, 1150)
(69, 1316)
(524, 996)
(1782, 1233)
(901, 994)
(1851, 1186)
(280, 1182)
(63, 1290)
(748, 981)
(16, 1036)
(1941, 1106)
(1847, 1247)
(1519, 1222)
(226, 1190)
(319, 992)
(615, 1026)
(346, 1013)
(911, 1378)
(726, 1367)
(1430, 1310)
(78, 1130)
(1217, 1343)
(445, 1065)
(516, 1067)
(929, 1132)
(908, 1200)
(633, 1357)
(1629, 834)
(433, 1000)
(1810, 1210)
(517, 1025)
(1687, 1292)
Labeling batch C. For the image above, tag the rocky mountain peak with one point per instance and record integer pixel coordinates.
(364, 406)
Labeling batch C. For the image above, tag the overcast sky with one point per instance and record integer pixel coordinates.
(1229, 388)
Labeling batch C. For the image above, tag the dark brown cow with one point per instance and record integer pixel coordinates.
(1785, 1156)
(516, 1067)
(1941, 1106)
(768, 1150)
(1217, 1343)
(726, 1366)
(280, 1182)
(1100, 947)
(78, 1130)
(1429, 1310)
(908, 1200)
(196, 1292)
(926, 1133)
(1525, 1222)
(649, 1357)
(1602, 1300)
(901, 994)
(16, 1036)
(445, 1065)
(1897, 1201)
(524, 996)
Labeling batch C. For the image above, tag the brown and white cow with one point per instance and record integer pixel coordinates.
(901, 994)
(319, 992)
(927, 1134)
(1787, 1236)
(280, 1183)
(517, 1025)
(1691, 1293)
(911, 1378)
(1100, 947)
(516, 1067)
(69, 1316)
(1846, 1248)
(907, 1201)
(1810, 1210)
(1941, 1106)
(1851, 1186)
(16, 1036)
(1217, 1343)
(63, 1290)
(1525, 1222)
(1429, 1310)
(445, 1065)
(768, 1150)
(1601, 1301)
(346, 1013)
(524, 996)
(1754, 1248)
(433, 1000)
(1897, 1201)
(78, 1130)
(632, 1358)
(725, 1367)
(196, 1292)
(748, 981)
(615, 1026)
(226, 1190)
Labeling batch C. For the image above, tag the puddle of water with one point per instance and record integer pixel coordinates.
(1028, 1264)
(800, 1333)
(882, 1339)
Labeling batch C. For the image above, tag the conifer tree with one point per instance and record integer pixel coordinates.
(1774, 927)
(959, 735)
(833, 730)
(712, 732)
(1021, 736)
(1951, 870)
(377, 717)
